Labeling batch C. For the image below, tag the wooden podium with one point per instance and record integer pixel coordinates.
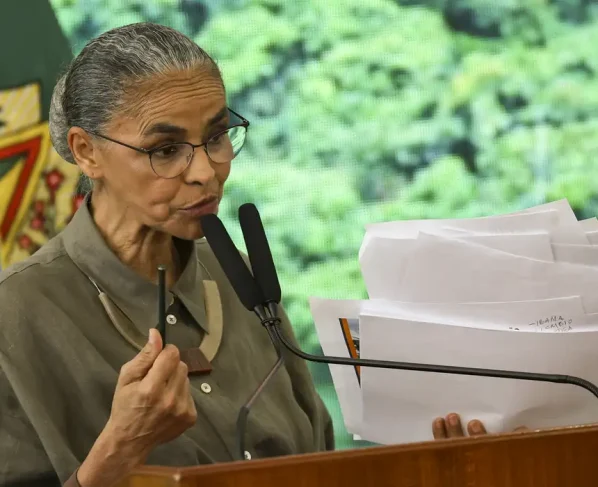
(556, 458)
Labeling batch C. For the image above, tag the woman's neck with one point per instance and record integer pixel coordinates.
(137, 246)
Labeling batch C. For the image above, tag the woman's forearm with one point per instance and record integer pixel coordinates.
(108, 461)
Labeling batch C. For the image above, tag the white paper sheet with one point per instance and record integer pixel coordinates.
(326, 314)
(565, 229)
(591, 320)
(559, 314)
(533, 245)
(481, 292)
(445, 270)
(543, 315)
(383, 262)
(541, 221)
(569, 230)
(399, 406)
(589, 224)
(576, 254)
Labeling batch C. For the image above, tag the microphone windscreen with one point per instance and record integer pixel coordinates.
(231, 261)
(260, 256)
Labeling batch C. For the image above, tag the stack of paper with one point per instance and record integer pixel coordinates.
(512, 292)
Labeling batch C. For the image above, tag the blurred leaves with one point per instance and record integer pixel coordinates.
(253, 35)
(82, 20)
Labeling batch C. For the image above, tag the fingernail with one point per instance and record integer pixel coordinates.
(476, 427)
(453, 420)
(152, 337)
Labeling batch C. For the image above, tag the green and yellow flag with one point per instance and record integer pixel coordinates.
(37, 188)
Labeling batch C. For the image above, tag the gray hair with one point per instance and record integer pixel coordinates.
(95, 84)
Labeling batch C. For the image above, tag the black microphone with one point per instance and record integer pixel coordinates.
(250, 295)
(260, 256)
(232, 263)
(269, 281)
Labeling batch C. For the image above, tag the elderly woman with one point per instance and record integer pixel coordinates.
(87, 389)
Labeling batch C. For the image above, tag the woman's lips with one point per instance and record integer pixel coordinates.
(205, 208)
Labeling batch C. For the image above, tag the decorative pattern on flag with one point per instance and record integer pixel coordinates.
(37, 188)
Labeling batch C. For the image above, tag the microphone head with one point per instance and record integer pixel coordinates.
(260, 256)
(231, 262)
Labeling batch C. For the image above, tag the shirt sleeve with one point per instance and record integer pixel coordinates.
(23, 460)
(36, 448)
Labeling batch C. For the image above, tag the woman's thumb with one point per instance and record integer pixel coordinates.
(152, 348)
(143, 361)
(154, 342)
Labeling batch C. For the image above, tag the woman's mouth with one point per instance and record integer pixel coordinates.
(203, 207)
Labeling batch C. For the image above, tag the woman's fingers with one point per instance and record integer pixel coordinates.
(137, 368)
(439, 429)
(179, 380)
(454, 429)
(164, 367)
(179, 384)
(449, 427)
(475, 427)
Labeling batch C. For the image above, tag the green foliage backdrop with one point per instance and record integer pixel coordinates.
(371, 110)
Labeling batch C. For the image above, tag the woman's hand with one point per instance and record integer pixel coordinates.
(451, 427)
(151, 405)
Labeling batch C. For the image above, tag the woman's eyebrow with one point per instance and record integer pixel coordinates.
(164, 128)
(221, 115)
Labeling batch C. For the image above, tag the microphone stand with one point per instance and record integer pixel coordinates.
(272, 324)
(246, 408)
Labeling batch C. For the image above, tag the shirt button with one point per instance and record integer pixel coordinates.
(247, 455)
(205, 387)
(171, 319)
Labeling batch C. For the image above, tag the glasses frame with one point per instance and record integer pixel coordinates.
(244, 123)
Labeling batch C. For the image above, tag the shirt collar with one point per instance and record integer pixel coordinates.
(135, 296)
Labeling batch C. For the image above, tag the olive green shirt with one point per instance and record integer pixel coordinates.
(60, 356)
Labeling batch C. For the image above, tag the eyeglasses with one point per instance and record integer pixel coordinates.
(169, 161)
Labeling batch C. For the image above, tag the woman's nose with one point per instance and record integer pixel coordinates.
(200, 169)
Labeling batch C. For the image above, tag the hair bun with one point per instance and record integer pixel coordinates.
(59, 126)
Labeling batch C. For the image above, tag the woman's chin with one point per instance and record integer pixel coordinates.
(190, 231)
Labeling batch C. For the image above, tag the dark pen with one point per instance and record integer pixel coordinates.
(162, 303)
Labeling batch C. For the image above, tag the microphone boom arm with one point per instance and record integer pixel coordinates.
(274, 324)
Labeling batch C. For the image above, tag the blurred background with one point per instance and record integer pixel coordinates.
(373, 110)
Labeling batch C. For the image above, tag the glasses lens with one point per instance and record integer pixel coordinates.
(225, 146)
(171, 160)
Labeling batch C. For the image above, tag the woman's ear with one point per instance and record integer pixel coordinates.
(84, 152)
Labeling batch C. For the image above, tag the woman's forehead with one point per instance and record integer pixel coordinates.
(181, 124)
(187, 100)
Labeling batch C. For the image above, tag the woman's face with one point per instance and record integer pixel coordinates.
(180, 107)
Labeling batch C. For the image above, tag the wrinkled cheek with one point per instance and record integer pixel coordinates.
(222, 172)
(222, 175)
(160, 205)
(162, 213)
(160, 196)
